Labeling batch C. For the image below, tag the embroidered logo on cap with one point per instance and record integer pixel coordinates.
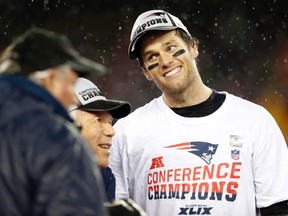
(153, 19)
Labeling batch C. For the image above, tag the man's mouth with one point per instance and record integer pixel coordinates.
(172, 72)
(104, 146)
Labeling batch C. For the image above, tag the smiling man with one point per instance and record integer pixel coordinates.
(94, 115)
(194, 150)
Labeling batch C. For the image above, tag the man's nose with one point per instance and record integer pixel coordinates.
(109, 130)
(165, 59)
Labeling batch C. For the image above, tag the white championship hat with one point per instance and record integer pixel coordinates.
(92, 99)
(152, 20)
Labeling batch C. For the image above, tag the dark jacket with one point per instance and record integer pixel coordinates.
(46, 168)
(110, 183)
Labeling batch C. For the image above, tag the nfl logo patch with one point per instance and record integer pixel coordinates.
(235, 154)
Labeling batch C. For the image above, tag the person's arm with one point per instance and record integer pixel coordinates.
(270, 167)
(277, 209)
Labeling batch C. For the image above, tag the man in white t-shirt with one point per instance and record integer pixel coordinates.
(194, 150)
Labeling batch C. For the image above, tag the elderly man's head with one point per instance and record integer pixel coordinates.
(95, 113)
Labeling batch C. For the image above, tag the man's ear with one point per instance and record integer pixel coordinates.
(194, 50)
(48, 81)
(146, 74)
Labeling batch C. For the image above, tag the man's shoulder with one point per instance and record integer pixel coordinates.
(245, 102)
(149, 107)
(247, 106)
(29, 118)
(142, 113)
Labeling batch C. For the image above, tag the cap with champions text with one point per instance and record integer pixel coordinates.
(152, 20)
(92, 99)
(39, 49)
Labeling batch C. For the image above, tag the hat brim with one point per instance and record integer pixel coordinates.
(118, 109)
(85, 67)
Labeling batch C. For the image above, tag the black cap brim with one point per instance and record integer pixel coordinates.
(118, 109)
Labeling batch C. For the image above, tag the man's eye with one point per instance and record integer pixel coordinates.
(171, 48)
(152, 57)
(97, 120)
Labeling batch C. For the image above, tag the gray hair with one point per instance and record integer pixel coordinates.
(38, 76)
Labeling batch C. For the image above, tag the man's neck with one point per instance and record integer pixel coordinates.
(188, 98)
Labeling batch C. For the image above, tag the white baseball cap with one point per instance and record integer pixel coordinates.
(152, 20)
(92, 99)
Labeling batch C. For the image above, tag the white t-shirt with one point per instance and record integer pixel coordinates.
(224, 164)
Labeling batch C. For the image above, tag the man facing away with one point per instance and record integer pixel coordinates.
(194, 150)
(46, 167)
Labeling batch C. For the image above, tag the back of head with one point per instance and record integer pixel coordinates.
(39, 49)
(152, 20)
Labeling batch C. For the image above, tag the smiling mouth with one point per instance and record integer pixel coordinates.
(104, 146)
(171, 73)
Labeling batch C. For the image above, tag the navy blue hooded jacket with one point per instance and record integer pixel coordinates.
(46, 168)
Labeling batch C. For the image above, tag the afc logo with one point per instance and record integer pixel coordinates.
(195, 210)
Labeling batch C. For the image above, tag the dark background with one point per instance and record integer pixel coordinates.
(243, 44)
